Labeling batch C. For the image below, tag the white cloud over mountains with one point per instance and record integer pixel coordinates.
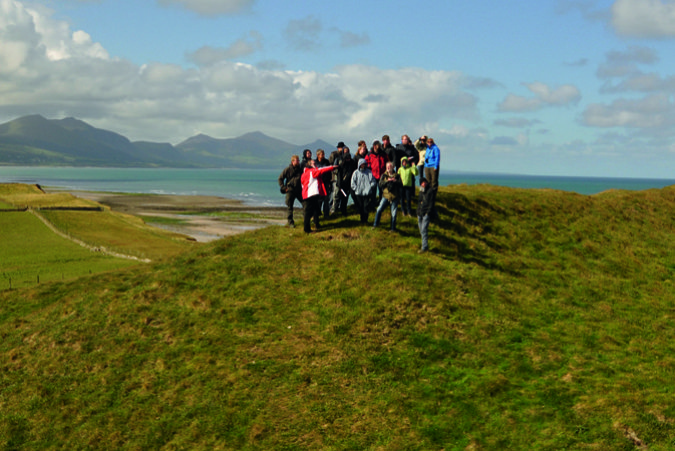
(46, 68)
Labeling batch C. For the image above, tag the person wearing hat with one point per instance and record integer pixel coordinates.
(335, 160)
(363, 184)
(407, 173)
(424, 207)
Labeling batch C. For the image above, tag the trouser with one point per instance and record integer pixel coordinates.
(406, 194)
(291, 197)
(431, 174)
(325, 202)
(344, 200)
(423, 224)
(383, 204)
(362, 203)
(335, 196)
(312, 210)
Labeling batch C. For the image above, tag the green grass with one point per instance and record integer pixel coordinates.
(120, 233)
(30, 252)
(541, 320)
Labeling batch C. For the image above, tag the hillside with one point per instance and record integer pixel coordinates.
(37, 141)
(541, 320)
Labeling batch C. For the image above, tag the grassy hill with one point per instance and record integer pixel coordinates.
(541, 320)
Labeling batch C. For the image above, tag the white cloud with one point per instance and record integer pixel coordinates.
(303, 34)
(350, 39)
(544, 96)
(621, 64)
(242, 47)
(50, 70)
(211, 7)
(644, 18)
(649, 112)
(517, 122)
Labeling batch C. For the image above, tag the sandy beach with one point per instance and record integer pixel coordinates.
(204, 218)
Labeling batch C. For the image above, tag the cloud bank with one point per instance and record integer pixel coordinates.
(47, 68)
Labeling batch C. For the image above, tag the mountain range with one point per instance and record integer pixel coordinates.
(36, 141)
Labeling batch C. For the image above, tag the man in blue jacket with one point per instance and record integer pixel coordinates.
(432, 165)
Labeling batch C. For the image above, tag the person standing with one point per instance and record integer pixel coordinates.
(406, 149)
(345, 172)
(312, 190)
(322, 162)
(407, 173)
(363, 184)
(362, 152)
(421, 146)
(334, 160)
(425, 205)
(306, 156)
(432, 166)
(390, 182)
(290, 185)
(377, 160)
(388, 149)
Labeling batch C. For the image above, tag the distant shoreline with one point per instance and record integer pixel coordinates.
(204, 218)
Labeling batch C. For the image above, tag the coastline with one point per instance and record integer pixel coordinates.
(204, 218)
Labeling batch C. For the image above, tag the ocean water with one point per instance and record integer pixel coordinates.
(260, 188)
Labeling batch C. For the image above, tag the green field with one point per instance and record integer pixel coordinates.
(120, 233)
(30, 252)
(541, 320)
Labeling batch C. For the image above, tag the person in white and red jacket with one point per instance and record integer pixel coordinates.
(312, 190)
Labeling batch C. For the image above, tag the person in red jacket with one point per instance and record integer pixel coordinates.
(312, 190)
(377, 160)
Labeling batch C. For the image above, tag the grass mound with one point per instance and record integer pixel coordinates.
(541, 320)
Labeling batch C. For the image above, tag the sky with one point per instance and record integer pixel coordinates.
(557, 87)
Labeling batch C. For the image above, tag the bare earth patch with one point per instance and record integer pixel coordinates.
(205, 218)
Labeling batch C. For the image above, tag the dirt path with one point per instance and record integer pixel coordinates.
(100, 249)
(204, 218)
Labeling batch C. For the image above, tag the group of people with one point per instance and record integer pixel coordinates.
(376, 178)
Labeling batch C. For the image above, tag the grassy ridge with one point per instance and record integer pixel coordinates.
(543, 320)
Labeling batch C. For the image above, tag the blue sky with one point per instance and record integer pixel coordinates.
(560, 87)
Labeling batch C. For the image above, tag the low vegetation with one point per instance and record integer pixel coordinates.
(541, 320)
(83, 233)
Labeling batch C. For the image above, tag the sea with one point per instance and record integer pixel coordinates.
(258, 187)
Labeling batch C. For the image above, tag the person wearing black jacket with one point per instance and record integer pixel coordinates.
(290, 185)
(335, 160)
(406, 149)
(306, 156)
(321, 162)
(345, 171)
(389, 150)
(424, 207)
